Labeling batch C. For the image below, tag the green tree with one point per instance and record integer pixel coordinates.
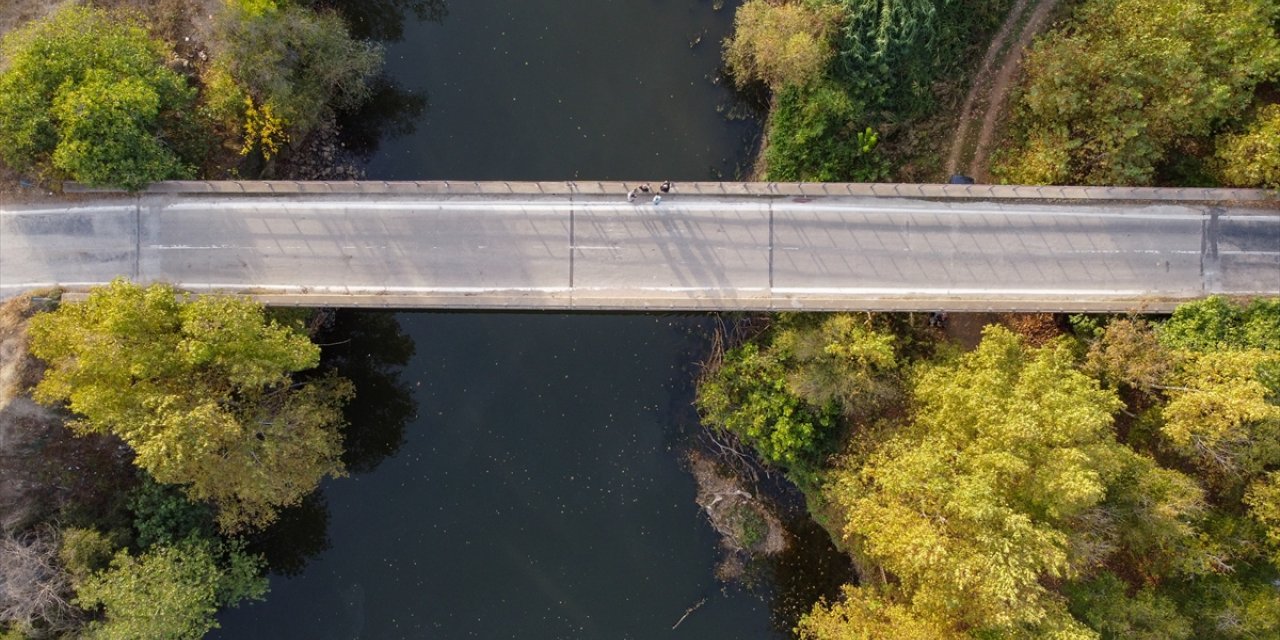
(201, 390)
(1217, 323)
(282, 69)
(1105, 605)
(1251, 158)
(819, 134)
(1109, 95)
(748, 396)
(89, 98)
(169, 592)
(781, 44)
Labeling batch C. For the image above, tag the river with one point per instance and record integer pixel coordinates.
(520, 476)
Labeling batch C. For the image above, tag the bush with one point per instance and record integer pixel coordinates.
(85, 551)
(1252, 158)
(781, 44)
(817, 135)
(88, 98)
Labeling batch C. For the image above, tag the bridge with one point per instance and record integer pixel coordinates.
(583, 246)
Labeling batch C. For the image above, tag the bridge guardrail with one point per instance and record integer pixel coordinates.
(762, 189)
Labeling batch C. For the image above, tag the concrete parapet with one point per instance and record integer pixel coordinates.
(1254, 197)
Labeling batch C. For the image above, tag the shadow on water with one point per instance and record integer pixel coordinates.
(369, 349)
(811, 569)
(390, 111)
(301, 533)
(383, 20)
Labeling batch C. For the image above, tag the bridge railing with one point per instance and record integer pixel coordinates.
(710, 189)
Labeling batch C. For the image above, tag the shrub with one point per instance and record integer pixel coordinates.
(817, 134)
(781, 44)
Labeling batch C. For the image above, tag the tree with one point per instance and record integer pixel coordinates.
(1108, 96)
(1129, 353)
(1220, 414)
(90, 98)
(748, 396)
(1222, 410)
(973, 504)
(843, 362)
(781, 44)
(201, 390)
(1217, 323)
(169, 592)
(862, 612)
(1263, 500)
(282, 69)
(1252, 158)
(1105, 605)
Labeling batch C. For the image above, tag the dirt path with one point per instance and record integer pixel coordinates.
(990, 91)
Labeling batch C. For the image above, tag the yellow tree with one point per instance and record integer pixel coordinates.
(203, 392)
(1000, 486)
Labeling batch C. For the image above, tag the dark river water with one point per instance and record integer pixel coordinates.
(521, 475)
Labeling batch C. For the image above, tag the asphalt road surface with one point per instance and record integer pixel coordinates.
(688, 252)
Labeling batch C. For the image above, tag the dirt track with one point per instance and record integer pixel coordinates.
(989, 94)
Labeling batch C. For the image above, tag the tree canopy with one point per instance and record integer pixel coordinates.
(88, 96)
(1251, 158)
(971, 506)
(781, 44)
(1111, 94)
(282, 69)
(168, 592)
(201, 389)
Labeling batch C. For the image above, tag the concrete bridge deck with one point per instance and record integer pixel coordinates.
(562, 246)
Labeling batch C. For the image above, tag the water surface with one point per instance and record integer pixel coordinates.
(567, 89)
(538, 494)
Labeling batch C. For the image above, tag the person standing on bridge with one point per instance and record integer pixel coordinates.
(631, 195)
(644, 188)
(657, 199)
(665, 187)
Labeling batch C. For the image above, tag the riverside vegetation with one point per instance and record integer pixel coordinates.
(181, 431)
(1117, 481)
(1121, 92)
(92, 95)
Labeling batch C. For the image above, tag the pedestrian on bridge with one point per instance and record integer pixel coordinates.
(665, 187)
